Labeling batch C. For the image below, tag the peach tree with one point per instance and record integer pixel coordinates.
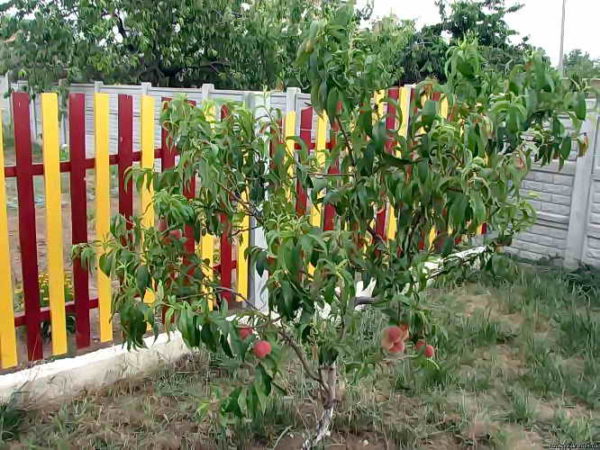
(449, 173)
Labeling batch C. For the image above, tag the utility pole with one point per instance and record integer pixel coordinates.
(561, 57)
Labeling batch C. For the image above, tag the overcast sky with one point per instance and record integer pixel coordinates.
(539, 19)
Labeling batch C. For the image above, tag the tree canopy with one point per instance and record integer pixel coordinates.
(580, 64)
(230, 43)
(484, 20)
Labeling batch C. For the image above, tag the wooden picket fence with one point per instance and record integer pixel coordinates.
(232, 262)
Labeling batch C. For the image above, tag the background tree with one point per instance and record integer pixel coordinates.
(450, 172)
(580, 64)
(230, 43)
(484, 20)
(233, 44)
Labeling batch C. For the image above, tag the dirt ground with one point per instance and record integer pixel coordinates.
(518, 369)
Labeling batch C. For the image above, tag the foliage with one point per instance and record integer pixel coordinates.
(230, 43)
(233, 44)
(484, 20)
(11, 418)
(452, 173)
(580, 64)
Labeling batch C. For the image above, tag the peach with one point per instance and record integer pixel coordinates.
(262, 349)
(398, 347)
(245, 331)
(429, 351)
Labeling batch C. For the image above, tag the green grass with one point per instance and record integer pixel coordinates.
(518, 366)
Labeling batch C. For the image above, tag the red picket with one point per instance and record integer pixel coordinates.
(189, 191)
(329, 210)
(79, 216)
(226, 264)
(27, 227)
(125, 152)
(306, 121)
(167, 150)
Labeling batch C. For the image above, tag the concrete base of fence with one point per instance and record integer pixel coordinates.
(68, 377)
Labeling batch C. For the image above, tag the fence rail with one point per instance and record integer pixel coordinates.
(82, 170)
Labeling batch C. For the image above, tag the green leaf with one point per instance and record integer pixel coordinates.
(332, 101)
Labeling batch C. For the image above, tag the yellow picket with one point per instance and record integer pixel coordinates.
(101, 115)
(405, 108)
(379, 104)
(56, 275)
(320, 152)
(443, 114)
(242, 260)
(147, 163)
(290, 130)
(8, 338)
(404, 102)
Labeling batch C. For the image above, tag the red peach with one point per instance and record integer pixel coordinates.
(429, 351)
(398, 347)
(420, 344)
(175, 234)
(392, 334)
(262, 349)
(245, 331)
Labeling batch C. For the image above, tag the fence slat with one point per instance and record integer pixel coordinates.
(101, 132)
(27, 226)
(242, 263)
(189, 191)
(56, 274)
(290, 145)
(125, 151)
(167, 156)
(207, 241)
(147, 162)
(320, 149)
(306, 116)
(79, 216)
(8, 338)
(405, 93)
(334, 169)
(390, 124)
(226, 263)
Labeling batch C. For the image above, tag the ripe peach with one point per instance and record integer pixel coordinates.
(398, 347)
(429, 351)
(245, 331)
(262, 349)
(392, 334)
(420, 344)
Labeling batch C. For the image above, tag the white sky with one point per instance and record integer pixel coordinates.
(538, 19)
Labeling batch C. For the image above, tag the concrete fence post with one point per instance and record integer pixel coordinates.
(145, 87)
(207, 89)
(580, 200)
(291, 99)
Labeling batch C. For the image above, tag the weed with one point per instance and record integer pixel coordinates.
(11, 418)
(579, 429)
(523, 410)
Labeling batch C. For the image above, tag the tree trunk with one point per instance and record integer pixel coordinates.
(329, 373)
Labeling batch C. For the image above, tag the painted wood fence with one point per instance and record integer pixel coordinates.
(82, 170)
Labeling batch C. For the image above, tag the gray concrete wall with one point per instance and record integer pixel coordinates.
(567, 203)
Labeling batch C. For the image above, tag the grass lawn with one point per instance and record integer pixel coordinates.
(519, 368)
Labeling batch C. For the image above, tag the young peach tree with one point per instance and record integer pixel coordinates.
(449, 173)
